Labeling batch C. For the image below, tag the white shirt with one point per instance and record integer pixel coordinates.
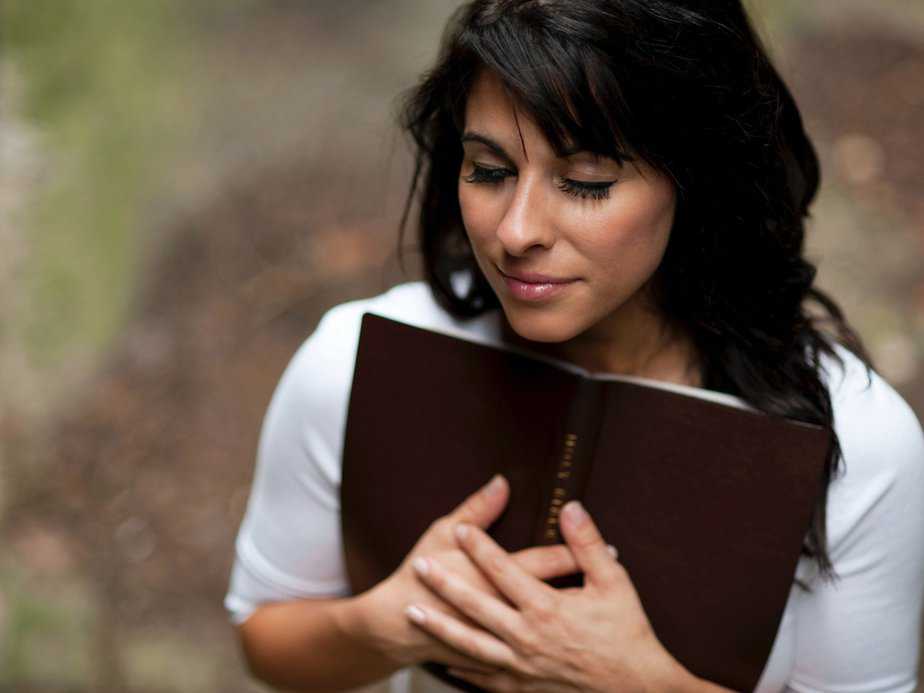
(859, 635)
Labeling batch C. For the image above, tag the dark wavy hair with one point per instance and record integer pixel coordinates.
(688, 87)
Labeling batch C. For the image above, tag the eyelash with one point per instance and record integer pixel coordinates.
(595, 191)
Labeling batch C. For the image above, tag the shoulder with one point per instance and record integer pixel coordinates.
(330, 350)
(313, 392)
(410, 302)
(861, 632)
(869, 414)
(882, 446)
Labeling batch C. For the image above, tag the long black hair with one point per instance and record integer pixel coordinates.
(688, 87)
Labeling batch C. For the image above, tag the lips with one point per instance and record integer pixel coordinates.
(535, 287)
(535, 277)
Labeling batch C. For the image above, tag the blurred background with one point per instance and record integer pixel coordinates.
(185, 187)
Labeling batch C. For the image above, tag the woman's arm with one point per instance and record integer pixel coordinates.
(314, 644)
(863, 633)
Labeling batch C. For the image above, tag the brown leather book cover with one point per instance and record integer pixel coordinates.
(707, 501)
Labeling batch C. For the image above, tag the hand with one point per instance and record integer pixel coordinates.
(384, 604)
(593, 638)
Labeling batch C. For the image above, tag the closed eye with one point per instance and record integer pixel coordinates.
(575, 188)
(596, 191)
(482, 174)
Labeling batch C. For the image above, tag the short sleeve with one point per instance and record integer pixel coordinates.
(863, 633)
(289, 544)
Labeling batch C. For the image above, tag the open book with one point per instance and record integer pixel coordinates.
(707, 500)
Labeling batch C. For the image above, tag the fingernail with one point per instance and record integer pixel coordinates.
(421, 565)
(495, 485)
(612, 550)
(576, 512)
(415, 613)
(461, 532)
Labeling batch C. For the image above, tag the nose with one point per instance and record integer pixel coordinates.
(526, 222)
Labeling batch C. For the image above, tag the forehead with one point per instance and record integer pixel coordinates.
(488, 97)
(492, 111)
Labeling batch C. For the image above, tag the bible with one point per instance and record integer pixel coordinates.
(707, 499)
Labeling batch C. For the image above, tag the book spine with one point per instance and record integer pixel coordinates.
(574, 457)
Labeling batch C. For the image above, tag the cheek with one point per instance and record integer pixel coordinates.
(477, 212)
(480, 217)
(626, 243)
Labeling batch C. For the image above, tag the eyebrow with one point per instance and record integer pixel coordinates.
(473, 136)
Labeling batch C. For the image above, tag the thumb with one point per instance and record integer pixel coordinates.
(590, 551)
(485, 505)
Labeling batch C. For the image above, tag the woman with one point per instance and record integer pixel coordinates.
(621, 184)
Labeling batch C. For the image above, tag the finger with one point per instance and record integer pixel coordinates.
(477, 644)
(484, 610)
(444, 654)
(498, 681)
(521, 588)
(485, 505)
(545, 562)
(587, 545)
(448, 656)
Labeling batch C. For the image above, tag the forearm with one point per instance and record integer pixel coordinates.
(317, 645)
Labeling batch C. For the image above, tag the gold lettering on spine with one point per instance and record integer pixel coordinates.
(559, 492)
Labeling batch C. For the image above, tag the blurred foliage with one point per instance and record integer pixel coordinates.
(49, 629)
(108, 85)
(115, 91)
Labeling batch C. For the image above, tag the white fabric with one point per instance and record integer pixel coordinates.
(859, 635)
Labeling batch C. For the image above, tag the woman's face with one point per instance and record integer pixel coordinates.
(602, 226)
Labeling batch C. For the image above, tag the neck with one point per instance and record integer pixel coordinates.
(635, 343)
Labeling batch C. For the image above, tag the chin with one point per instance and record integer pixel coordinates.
(542, 325)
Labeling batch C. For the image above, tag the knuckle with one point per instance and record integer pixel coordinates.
(478, 650)
(562, 558)
(524, 559)
(548, 565)
(526, 644)
(437, 579)
(439, 526)
(617, 568)
(616, 577)
(468, 605)
(546, 561)
(620, 572)
(525, 671)
(543, 609)
(473, 504)
(496, 563)
(587, 540)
